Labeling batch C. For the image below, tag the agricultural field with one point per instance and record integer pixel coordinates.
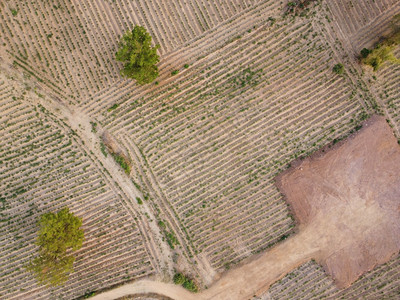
(309, 281)
(244, 89)
(45, 166)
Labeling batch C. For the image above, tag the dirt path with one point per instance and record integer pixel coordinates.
(252, 278)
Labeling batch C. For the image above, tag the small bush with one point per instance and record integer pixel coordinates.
(94, 126)
(365, 52)
(171, 239)
(122, 161)
(113, 107)
(174, 72)
(161, 224)
(186, 282)
(186, 66)
(103, 149)
(338, 69)
(14, 12)
(179, 278)
(190, 285)
(139, 201)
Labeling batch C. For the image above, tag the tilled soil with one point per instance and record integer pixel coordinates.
(350, 195)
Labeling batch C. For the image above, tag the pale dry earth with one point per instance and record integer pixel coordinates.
(350, 196)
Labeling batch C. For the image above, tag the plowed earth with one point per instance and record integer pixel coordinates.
(350, 196)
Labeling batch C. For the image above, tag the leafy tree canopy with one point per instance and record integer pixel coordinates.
(58, 232)
(138, 56)
(51, 271)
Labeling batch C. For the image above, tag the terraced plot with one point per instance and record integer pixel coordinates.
(309, 281)
(44, 166)
(215, 134)
(70, 45)
(387, 87)
(362, 23)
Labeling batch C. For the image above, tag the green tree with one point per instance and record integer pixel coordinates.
(58, 232)
(138, 56)
(51, 271)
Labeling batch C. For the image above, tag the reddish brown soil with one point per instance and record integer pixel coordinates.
(350, 194)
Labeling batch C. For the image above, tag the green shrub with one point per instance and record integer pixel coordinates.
(103, 149)
(113, 107)
(179, 278)
(186, 282)
(139, 201)
(190, 285)
(161, 224)
(174, 72)
(171, 239)
(123, 162)
(365, 52)
(338, 69)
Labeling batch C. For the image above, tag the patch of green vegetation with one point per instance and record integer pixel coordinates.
(113, 107)
(383, 51)
(123, 162)
(186, 66)
(338, 69)
(58, 233)
(88, 294)
(171, 239)
(186, 282)
(94, 126)
(14, 12)
(161, 224)
(103, 149)
(138, 56)
(174, 72)
(139, 201)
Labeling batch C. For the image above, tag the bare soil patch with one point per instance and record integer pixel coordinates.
(348, 198)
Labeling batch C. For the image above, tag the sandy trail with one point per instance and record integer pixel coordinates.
(255, 277)
(246, 280)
